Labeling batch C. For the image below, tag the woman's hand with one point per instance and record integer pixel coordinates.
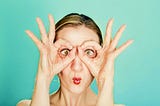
(50, 64)
(102, 66)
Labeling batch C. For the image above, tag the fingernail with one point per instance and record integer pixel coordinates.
(49, 15)
(37, 19)
(125, 25)
(26, 31)
(112, 19)
(132, 41)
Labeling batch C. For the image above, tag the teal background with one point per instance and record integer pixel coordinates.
(137, 70)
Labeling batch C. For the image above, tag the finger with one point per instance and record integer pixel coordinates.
(53, 52)
(123, 47)
(96, 46)
(108, 33)
(116, 38)
(42, 30)
(93, 44)
(62, 43)
(52, 29)
(92, 68)
(88, 62)
(65, 62)
(34, 38)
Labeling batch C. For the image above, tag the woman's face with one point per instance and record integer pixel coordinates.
(76, 77)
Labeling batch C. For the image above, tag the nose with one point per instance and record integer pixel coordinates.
(76, 64)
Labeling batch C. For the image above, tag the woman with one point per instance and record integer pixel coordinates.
(74, 49)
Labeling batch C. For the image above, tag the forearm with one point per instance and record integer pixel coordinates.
(41, 92)
(105, 93)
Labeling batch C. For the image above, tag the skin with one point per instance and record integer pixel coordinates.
(76, 95)
(76, 63)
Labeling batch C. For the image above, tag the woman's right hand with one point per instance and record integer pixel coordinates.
(50, 63)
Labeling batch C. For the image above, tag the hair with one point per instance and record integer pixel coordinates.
(75, 20)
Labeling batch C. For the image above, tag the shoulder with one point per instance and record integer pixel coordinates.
(119, 105)
(24, 103)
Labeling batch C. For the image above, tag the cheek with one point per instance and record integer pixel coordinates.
(88, 78)
(65, 73)
(87, 74)
(86, 69)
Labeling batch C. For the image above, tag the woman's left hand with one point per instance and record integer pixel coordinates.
(102, 66)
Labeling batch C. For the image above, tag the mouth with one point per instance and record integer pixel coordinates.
(76, 80)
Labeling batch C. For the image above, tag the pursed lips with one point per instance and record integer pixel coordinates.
(76, 80)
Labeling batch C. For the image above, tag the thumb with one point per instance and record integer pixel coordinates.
(88, 62)
(65, 62)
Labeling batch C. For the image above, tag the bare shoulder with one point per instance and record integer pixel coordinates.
(119, 105)
(24, 103)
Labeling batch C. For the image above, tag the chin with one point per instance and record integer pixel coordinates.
(77, 89)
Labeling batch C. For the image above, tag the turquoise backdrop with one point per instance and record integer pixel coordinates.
(137, 70)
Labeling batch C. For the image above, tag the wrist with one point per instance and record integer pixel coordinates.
(41, 91)
(105, 83)
(42, 80)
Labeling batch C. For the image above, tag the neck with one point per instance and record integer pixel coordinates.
(68, 98)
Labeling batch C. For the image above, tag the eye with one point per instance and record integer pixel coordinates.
(64, 52)
(90, 53)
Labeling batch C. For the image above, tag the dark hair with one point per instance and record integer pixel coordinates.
(75, 19)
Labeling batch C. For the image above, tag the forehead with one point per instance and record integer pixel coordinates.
(77, 35)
